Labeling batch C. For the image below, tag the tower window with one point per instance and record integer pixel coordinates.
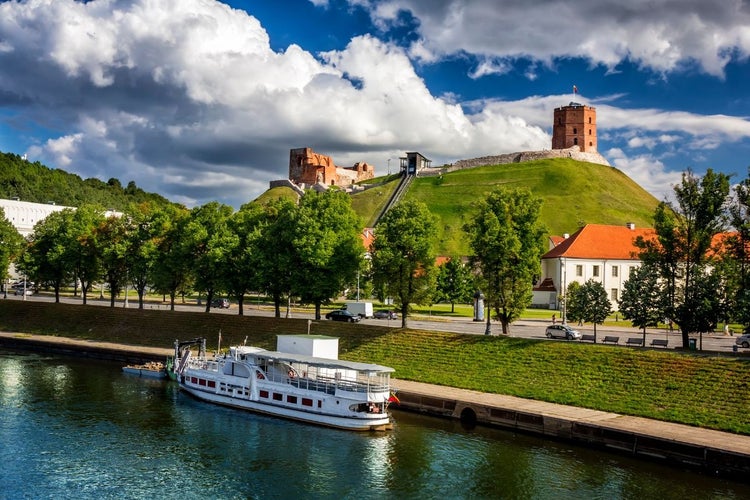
(589, 119)
(575, 141)
(575, 130)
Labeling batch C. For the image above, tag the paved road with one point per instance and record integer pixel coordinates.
(533, 329)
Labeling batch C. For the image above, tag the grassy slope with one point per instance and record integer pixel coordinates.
(573, 193)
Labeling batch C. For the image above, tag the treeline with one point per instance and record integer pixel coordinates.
(37, 183)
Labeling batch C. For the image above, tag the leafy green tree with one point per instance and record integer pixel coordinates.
(113, 245)
(241, 271)
(682, 250)
(403, 258)
(573, 306)
(455, 282)
(594, 303)
(172, 271)
(11, 245)
(506, 239)
(641, 300)
(276, 245)
(144, 233)
(82, 251)
(47, 257)
(209, 238)
(327, 246)
(737, 255)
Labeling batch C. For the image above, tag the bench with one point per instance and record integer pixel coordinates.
(611, 340)
(636, 341)
(659, 343)
(587, 338)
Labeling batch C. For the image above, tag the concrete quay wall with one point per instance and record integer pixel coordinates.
(712, 452)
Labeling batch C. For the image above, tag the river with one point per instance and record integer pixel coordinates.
(76, 428)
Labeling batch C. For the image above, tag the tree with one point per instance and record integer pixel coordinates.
(682, 251)
(172, 271)
(144, 232)
(82, 250)
(276, 245)
(595, 306)
(402, 256)
(11, 244)
(327, 245)
(737, 255)
(209, 240)
(573, 305)
(113, 245)
(641, 300)
(454, 282)
(507, 244)
(47, 257)
(243, 265)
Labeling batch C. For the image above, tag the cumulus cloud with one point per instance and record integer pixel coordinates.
(649, 172)
(187, 98)
(660, 35)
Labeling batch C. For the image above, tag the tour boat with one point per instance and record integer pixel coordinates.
(152, 369)
(302, 380)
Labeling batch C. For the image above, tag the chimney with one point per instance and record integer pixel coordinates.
(630, 225)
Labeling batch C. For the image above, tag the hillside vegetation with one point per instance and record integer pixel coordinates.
(574, 193)
(37, 183)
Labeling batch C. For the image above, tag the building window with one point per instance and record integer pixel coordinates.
(631, 270)
(614, 271)
(613, 294)
(575, 130)
(579, 270)
(596, 271)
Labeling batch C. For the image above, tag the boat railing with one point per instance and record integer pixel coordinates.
(330, 385)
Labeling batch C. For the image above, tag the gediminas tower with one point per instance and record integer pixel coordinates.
(574, 125)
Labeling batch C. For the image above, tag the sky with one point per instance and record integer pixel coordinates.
(201, 100)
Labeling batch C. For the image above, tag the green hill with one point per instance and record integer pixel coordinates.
(574, 193)
(37, 183)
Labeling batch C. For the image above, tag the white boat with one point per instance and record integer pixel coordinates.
(152, 369)
(308, 384)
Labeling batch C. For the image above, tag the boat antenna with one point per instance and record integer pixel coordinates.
(218, 348)
(244, 342)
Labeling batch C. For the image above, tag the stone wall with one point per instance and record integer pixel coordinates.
(574, 153)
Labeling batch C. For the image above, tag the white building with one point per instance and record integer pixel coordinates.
(603, 253)
(23, 214)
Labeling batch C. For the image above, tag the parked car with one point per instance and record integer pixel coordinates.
(385, 314)
(343, 315)
(220, 303)
(19, 291)
(743, 341)
(562, 332)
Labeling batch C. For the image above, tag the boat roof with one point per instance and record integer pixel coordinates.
(324, 362)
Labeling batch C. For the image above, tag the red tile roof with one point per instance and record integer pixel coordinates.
(596, 241)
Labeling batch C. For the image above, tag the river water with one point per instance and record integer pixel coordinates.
(74, 428)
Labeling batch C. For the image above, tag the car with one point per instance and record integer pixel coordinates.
(220, 303)
(19, 291)
(743, 340)
(385, 314)
(562, 332)
(343, 315)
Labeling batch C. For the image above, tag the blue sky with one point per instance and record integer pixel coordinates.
(201, 100)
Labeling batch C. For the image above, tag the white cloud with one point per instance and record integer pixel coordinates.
(650, 173)
(661, 35)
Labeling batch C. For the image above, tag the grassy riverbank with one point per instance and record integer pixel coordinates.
(697, 389)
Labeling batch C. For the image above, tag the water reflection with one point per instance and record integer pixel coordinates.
(82, 429)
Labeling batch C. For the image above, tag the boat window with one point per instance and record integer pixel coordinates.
(263, 394)
(278, 397)
(306, 402)
(236, 369)
(291, 399)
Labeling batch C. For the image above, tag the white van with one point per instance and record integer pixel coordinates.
(362, 309)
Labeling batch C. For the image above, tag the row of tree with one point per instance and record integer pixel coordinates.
(309, 251)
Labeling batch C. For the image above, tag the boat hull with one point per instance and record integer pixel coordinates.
(144, 372)
(353, 424)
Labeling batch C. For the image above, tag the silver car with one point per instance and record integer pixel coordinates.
(743, 340)
(562, 332)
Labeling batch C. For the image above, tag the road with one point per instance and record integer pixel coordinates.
(531, 329)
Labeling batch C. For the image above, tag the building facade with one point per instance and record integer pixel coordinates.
(574, 125)
(606, 254)
(306, 167)
(23, 214)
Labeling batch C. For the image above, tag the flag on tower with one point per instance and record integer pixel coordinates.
(575, 89)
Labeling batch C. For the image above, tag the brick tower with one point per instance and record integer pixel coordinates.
(574, 125)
